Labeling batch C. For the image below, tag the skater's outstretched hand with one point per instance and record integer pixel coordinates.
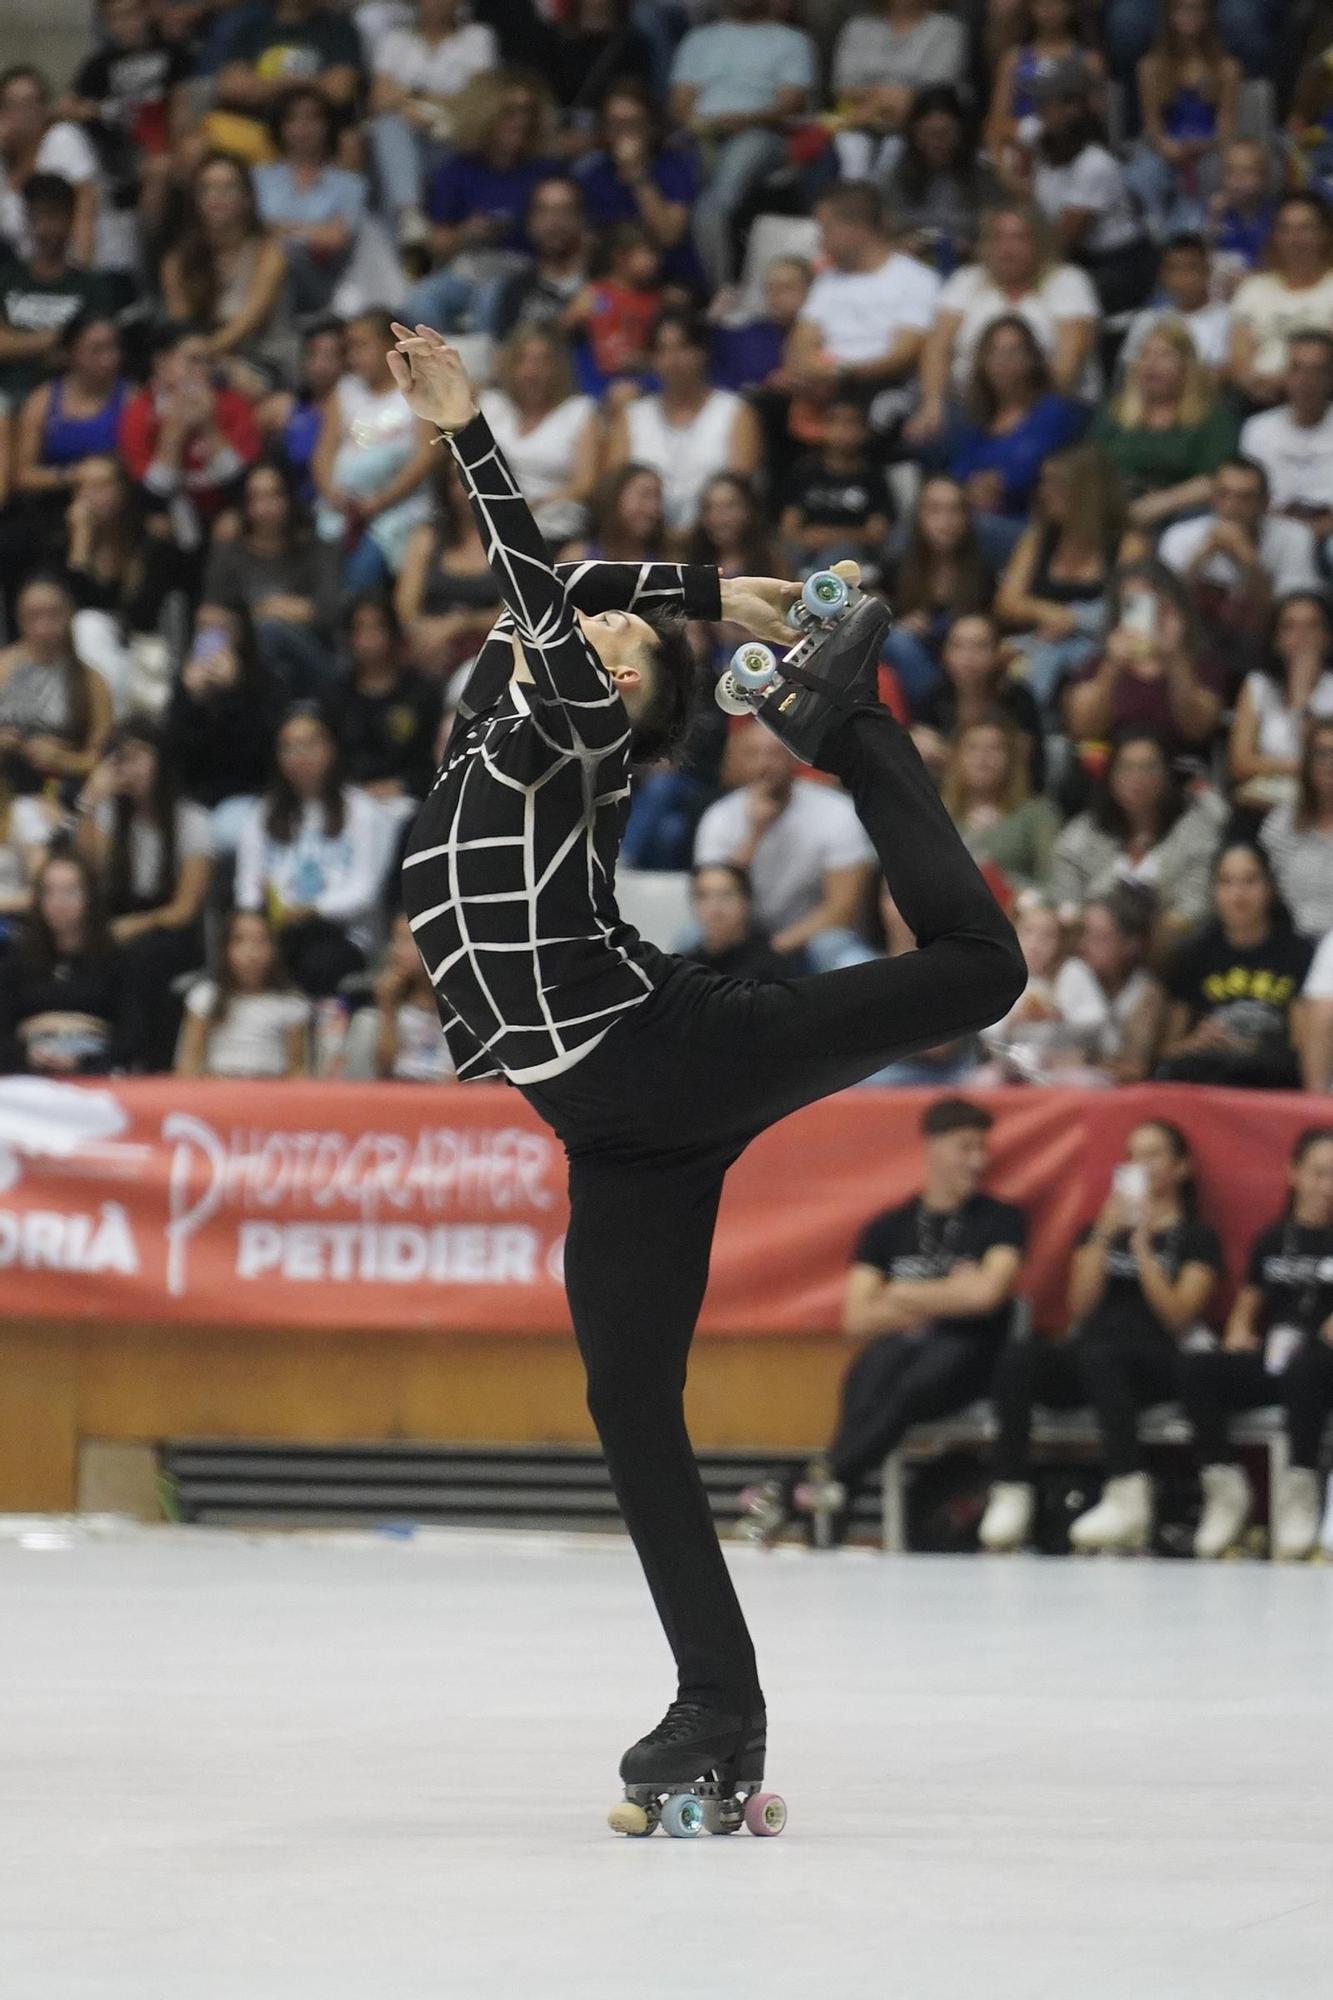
(761, 603)
(432, 378)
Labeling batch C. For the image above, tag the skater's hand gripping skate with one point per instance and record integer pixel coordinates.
(761, 603)
(432, 378)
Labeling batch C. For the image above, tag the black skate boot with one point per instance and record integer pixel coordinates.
(699, 1770)
(841, 673)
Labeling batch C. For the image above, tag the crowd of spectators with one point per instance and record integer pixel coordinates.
(1026, 306)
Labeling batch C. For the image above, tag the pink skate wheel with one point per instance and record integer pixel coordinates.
(765, 1814)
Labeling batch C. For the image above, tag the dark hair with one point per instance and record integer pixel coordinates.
(1132, 910)
(25, 73)
(1166, 584)
(298, 515)
(49, 191)
(303, 93)
(740, 876)
(1312, 336)
(1186, 239)
(981, 399)
(662, 728)
(1106, 812)
(282, 807)
(1058, 149)
(1279, 916)
(1306, 803)
(1269, 663)
(954, 1114)
(756, 550)
(198, 265)
(382, 605)
(605, 513)
(224, 986)
(1306, 1141)
(38, 946)
(1183, 1152)
(73, 330)
(78, 678)
(1251, 467)
(914, 583)
(913, 173)
(159, 810)
(691, 325)
(1298, 198)
(858, 202)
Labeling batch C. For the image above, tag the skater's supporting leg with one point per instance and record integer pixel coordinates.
(636, 1266)
(935, 1374)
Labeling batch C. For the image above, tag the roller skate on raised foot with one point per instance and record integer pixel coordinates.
(832, 668)
(699, 1771)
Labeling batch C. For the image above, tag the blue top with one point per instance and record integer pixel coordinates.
(740, 66)
(1189, 116)
(1242, 237)
(744, 355)
(335, 195)
(608, 199)
(465, 184)
(1050, 425)
(66, 439)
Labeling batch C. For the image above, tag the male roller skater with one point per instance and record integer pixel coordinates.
(653, 1072)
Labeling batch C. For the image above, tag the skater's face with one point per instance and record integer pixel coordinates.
(957, 1163)
(721, 908)
(1312, 1184)
(626, 646)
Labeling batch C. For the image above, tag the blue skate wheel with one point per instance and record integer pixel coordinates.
(754, 666)
(683, 1816)
(825, 594)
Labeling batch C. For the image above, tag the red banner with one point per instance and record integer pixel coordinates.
(399, 1206)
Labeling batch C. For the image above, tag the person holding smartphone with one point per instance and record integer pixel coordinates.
(1153, 676)
(1144, 1274)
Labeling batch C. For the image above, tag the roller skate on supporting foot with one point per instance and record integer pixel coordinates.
(699, 1771)
(766, 1509)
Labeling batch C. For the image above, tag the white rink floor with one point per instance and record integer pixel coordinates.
(239, 1768)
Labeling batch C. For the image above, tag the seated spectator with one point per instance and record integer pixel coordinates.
(938, 185)
(1017, 271)
(1012, 422)
(445, 597)
(1235, 987)
(1278, 1346)
(687, 432)
(1142, 833)
(153, 853)
(1046, 32)
(734, 83)
(1167, 431)
(614, 315)
(1309, 126)
(1317, 1039)
(122, 579)
(541, 292)
(1297, 837)
(247, 1020)
(372, 461)
(284, 578)
(68, 1004)
(186, 438)
(54, 710)
(1294, 443)
(988, 794)
(313, 852)
(1239, 560)
(33, 141)
(1153, 674)
(42, 294)
(292, 419)
(27, 827)
(940, 576)
(723, 904)
(401, 1032)
(732, 533)
(977, 685)
(228, 276)
(1184, 295)
(421, 74)
(1039, 1039)
(1188, 92)
(73, 417)
(547, 432)
(1293, 688)
(749, 356)
(883, 58)
(131, 95)
(628, 519)
(266, 48)
(800, 842)
(591, 43)
(1108, 992)
(314, 208)
(930, 1295)
(1242, 212)
(222, 719)
(868, 313)
(386, 713)
(1144, 1274)
(1080, 187)
(1054, 587)
(836, 504)
(1293, 294)
(633, 176)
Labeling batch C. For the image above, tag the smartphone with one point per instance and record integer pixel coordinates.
(1139, 616)
(1130, 1182)
(209, 643)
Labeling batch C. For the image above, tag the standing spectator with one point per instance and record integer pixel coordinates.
(1144, 1274)
(836, 504)
(31, 142)
(1278, 1345)
(736, 83)
(1238, 560)
(540, 292)
(1054, 586)
(387, 713)
(1153, 674)
(185, 439)
(1143, 833)
(547, 432)
(282, 575)
(1080, 187)
(228, 276)
(1235, 987)
(314, 852)
(445, 597)
(221, 720)
(1274, 306)
(247, 1020)
(800, 842)
(1294, 443)
(270, 46)
(634, 177)
(372, 461)
(989, 798)
(687, 431)
(153, 852)
(938, 186)
(314, 208)
(68, 1006)
(1297, 837)
(975, 686)
(1012, 422)
(1185, 293)
(421, 73)
(883, 58)
(722, 901)
(1292, 688)
(54, 710)
(941, 575)
(1168, 430)
(42, 294)
(1109, 991)
(1188, 91)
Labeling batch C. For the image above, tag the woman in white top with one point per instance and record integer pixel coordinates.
(372, 461)
(247, 1021)
(548, 433)
(313, 853)
(1294, 294)
(420, 73)
(687, 432)
(1298, 838)
(1017, 272)
(1294, 686)
(1080, 187)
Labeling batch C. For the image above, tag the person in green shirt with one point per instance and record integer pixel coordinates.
(987, 795)
(1167, 430)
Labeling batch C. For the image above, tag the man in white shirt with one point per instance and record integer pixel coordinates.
(807, 856)
(1294, 443)
(32, 143)
(1184, 278)
(1239, 560)
(865, 322)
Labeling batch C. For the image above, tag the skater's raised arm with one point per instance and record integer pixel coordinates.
(689, 588)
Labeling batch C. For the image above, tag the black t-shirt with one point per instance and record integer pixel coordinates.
(294, 51)
(837, 499)
(919, 1242)
(132, 87)
(391, 735)
(1122, 1308)
(37, 305)
(1249, 989)
(1292, 1267)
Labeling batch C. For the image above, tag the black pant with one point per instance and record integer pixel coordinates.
(319, 956)
(652, 1119)
(899, 1380)
(153, 960)
(1117, 1373)
(1213, 1386)
(1306, 1387)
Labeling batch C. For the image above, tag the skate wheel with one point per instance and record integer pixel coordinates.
(754, 666)
(765, 1814)
(683, 1816)
(730, 698)
(629, 1818)
(825, 594)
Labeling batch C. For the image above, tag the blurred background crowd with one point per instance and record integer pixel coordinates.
(1026, 306)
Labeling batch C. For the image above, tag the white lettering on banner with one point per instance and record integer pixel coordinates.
(393, 1253)
(41, 1240)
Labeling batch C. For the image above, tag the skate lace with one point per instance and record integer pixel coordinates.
(681, 1720)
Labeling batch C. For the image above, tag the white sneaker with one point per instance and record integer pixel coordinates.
(1228, 1502)
(1007, 1521)
(1121, 1520)
(1326, 1532)
(1296, 1526)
